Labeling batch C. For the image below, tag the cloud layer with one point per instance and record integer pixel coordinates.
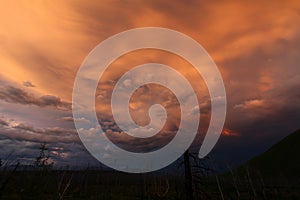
(22, 143)
(12, 94)
(256, 47)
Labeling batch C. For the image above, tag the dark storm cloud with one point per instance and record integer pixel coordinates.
(3, 122)
(28, 84)
(13, 94)
(51, 135)
(67, 119)
(270, 90)
(22, 143)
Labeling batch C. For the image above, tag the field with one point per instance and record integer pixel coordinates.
(271, 175)
(46, 183)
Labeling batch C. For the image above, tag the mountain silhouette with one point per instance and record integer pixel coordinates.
(282, 158)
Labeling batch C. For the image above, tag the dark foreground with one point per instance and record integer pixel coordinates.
(99, 184)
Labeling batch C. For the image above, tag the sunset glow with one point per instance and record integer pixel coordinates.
(43, 43)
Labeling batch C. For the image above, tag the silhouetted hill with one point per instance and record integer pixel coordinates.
(282, 158)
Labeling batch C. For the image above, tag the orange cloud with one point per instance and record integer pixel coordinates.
(228, 132)
(45, 42)
(251, 104)
(255, 45)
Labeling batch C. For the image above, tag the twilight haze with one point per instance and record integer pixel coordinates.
(43, 43)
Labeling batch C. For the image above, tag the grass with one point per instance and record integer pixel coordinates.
(99, 184)
(273, 175)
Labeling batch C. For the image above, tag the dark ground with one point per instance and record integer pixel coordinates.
(273, 175)
(97, 184)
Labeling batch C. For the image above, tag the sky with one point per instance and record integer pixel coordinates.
(255, 45)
